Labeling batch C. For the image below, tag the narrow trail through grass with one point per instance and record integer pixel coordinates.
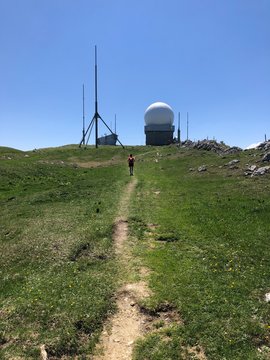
(125, 326)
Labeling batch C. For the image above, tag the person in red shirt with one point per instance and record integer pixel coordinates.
(131, 161)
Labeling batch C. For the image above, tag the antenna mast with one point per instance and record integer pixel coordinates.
(187, 125)
(83, 119)
(96, 116)
(178, 133)
(96, 102)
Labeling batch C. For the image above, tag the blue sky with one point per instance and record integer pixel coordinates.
(210, 58)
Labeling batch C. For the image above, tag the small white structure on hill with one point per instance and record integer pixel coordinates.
(159, 126)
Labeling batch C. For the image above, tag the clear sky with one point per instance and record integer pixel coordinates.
(210, 58)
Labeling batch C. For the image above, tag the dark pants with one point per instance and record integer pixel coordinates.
(130, 169)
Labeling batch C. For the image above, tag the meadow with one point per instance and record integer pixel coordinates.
(203, 236)
(207, 248)
(58, 273)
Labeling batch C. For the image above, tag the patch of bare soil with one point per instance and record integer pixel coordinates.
(163, 316)
(195, 352)
(43, 353)
(144, 272)
(127, 325)
(120, 234)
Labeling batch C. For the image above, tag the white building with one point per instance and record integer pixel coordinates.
(159, 126)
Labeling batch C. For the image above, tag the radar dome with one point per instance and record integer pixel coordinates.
(158, 113)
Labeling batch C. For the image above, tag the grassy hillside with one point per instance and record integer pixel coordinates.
(204, 236)
(57, 266)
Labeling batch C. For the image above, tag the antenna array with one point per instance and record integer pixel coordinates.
(96, 116)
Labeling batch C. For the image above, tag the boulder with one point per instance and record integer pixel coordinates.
(250, 170)
(264, 145)
(211, 145)
(266, 157)
(233, 150)
(202, 168)
(233, 162)
(261, 171)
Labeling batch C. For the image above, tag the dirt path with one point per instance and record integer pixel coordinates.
(130, 323)
(127, 324)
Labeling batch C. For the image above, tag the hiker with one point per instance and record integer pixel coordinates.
(131, 161)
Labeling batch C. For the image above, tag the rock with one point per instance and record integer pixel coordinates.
(233, 150)
(252, 168)
(267, 297)
(202, 168)
(266, 157)
(212, 145)
(261, 171)
(187, 143)
(264, 146)
(254, 171)
(233, 162)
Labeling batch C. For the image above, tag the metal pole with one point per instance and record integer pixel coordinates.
(178, 128)
(96, 103)
(86, 132)
(83, 119)
(187, 125)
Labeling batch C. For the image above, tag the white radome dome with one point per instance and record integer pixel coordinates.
(158, 113)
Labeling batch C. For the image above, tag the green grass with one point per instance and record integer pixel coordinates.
(57, 265)
(208, 254)
(204, 236)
